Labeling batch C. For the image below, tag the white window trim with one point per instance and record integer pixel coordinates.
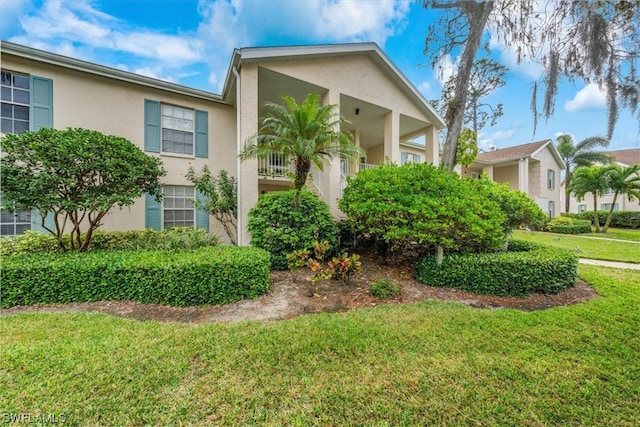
(162, 206)
(193, 132)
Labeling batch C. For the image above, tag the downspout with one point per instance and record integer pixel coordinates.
(239, 222)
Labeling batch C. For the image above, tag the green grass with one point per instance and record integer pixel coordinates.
(588, 248)
(421, 364)
(618, 233)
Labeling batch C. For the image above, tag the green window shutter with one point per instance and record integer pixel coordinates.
(41, 111)
(202, 216)
(152, 212)
(36, 221)
(202, 134)
(151, 126)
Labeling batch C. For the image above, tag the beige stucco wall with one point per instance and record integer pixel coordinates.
(354, 75)
(508, 174)
(375, 155)
(116, 107)
(539, 175)
(623, 203)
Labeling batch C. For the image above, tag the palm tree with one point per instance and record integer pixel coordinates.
(591, 179)
(623, 180)
(577, 155)
(307, 134)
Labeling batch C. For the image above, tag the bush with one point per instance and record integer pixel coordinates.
(525, 269)
(177, 238)
(384, 288)
(620, 219)
(216, 275)
(421, 206)
(567, 225)
(280, 228)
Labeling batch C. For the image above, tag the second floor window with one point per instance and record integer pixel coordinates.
(551, 179)
(15, 97)
(177, 130)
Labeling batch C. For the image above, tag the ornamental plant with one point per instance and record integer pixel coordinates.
(75, 177)
(420, 206)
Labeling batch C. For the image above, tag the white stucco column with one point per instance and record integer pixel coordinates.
(248, 127)
(392, 136)
(489, 171)
(523, 175)
(432, 146)
(332, 170)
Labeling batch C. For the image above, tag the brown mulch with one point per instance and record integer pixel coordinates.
(292, 295)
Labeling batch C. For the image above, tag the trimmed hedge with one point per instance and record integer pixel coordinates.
(526, 268)
(177, 238)
(212, 275)
(566, 225)
(620, 219)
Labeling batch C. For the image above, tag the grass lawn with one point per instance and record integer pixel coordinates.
(429, 363)
(618, 233)
(589, 248)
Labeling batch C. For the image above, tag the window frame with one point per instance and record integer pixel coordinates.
(187, 198)
(582, 208)
(11, 88)
(175, 129)
(607, 207)
(551, 179)
(551, 209)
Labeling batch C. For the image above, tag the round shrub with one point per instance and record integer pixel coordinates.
(421, 206)
(279, 227)
(384, 288)
(526, 268)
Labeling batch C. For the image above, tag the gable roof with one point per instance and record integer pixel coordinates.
(518, 152)
(372, 50)
(628, 157)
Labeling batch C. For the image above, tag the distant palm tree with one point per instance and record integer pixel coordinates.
(307, 134)
(577, 155)
(624, 181)
(591, 179)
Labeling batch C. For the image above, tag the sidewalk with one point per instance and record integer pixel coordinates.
(610, 264)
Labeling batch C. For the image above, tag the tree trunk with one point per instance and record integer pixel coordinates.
(567, 192)
(303, 166)
(610, 215)
(477, 16)
(595, 213)
(439, 254)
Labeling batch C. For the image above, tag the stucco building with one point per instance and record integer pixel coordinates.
(190, 127)
(533, 168)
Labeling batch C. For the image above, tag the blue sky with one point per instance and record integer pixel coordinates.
(190, 42)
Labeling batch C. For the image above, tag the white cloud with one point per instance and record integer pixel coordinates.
(79, 29)
(425, 88)
(591, 97)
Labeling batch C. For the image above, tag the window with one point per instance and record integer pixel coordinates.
(177, 209)
(609, 191)
(177, 130)
(15, 102)
(14, 223)
(607, 207)
(406, 157)
(551, 179)
(552, 209)
(582, 208)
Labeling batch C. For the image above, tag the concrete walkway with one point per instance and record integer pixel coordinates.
(610, 264)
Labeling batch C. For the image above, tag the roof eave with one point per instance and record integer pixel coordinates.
(104, 71)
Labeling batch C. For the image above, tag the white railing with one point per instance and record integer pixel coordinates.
(365, 166)
(317, 179)
(277, 165)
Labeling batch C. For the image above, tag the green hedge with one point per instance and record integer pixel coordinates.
(620, 219)
(567, 225)
(176, 238)
(524, 269)
(212, 275)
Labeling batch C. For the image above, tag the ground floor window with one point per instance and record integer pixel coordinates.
(552, 209)
(607, 206)
(177, 206)
(582, 208)
(14, 223)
